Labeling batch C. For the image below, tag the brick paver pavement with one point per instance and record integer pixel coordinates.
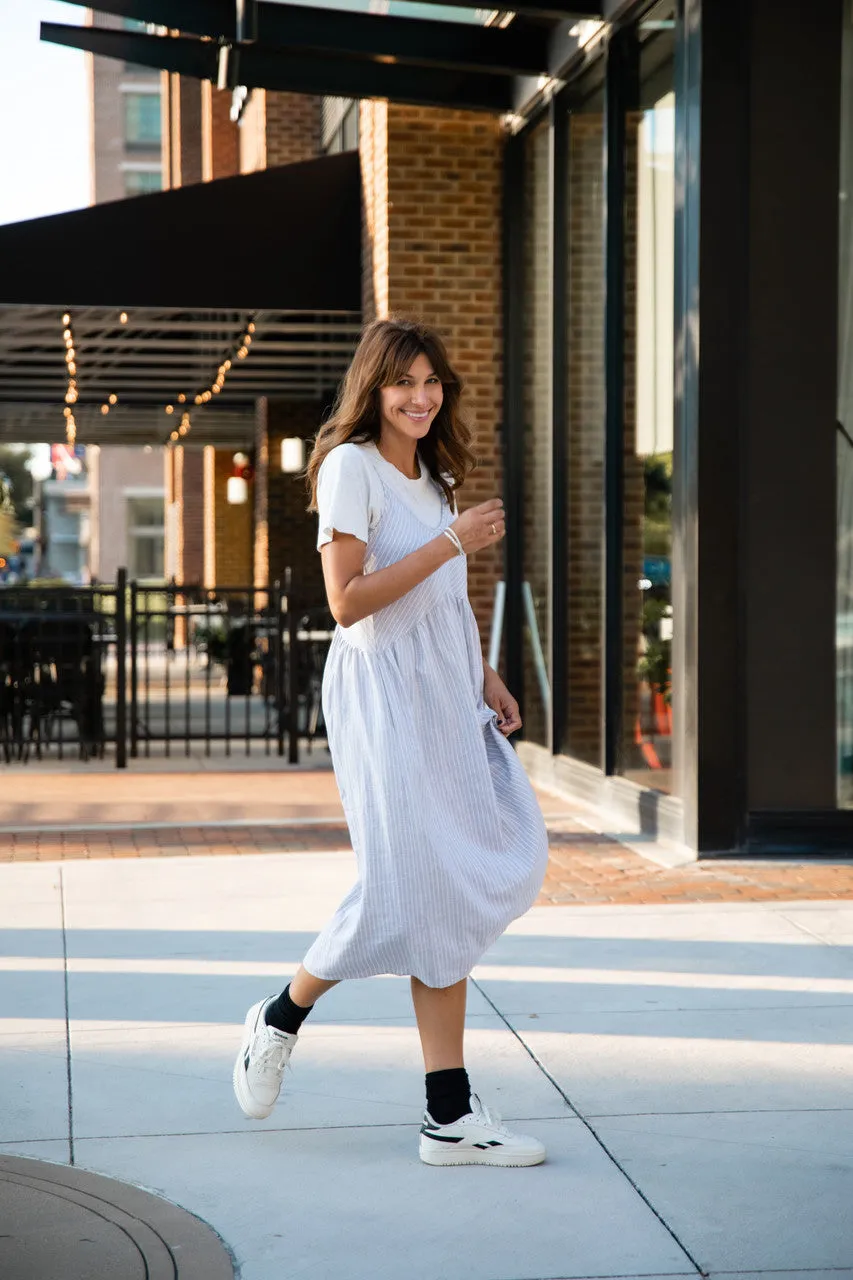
(584, 868)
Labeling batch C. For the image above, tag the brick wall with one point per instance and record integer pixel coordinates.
(373, 156)
(220, 142)
(279, 128)
(585, 428)
(285, 534)
(182, 130)
(293, 127)
(538, 356)
(436, 176)
(228, 531)
(633, 506)
(189, 495)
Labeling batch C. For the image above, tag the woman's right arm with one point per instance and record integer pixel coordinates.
(354, 594)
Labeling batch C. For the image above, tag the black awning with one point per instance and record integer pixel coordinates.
(287, 239)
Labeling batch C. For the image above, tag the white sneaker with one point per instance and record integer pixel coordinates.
(478, 1138)
(259, 1068)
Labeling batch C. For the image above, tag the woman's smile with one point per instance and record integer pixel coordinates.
(408, 407)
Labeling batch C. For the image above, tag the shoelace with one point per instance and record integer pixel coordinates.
(492, 1118)
(269, 1053)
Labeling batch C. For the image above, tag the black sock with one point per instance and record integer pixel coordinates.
(448, 1094)
(284, 1015)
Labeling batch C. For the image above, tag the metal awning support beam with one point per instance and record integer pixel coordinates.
(521, 50)
(269, 68)
(218, 17)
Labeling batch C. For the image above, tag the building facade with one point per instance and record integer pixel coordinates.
(636, 260)
(126, 121)
(126, 492)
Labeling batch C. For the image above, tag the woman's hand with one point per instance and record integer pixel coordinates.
(481, 526)
(498, 697)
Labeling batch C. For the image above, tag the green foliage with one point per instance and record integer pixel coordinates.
(655, 666)
(13, 464)
(657, 474)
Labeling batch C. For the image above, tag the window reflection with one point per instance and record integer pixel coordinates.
(646, 754)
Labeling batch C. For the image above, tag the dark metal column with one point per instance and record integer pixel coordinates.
(121, 668)
(620, 97)
(560, 602)
(757, 163)
(513, 409)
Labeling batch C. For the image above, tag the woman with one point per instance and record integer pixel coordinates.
(448, 837)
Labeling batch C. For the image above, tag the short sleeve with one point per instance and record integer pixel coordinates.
(345, 498)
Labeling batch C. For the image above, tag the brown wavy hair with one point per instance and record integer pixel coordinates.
(385, 354)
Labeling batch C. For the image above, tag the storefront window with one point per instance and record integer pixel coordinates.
(584, 427)
(646, 754)
(536, 587)
(844, 435)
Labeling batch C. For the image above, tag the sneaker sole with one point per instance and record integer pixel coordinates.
(248, 1104)
(497, 1159)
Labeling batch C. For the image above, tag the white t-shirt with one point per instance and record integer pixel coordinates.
(350, 496)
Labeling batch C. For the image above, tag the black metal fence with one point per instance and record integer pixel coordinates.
(59, 688)
(159, 670)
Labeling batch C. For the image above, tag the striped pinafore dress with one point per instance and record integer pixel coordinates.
(449, 840)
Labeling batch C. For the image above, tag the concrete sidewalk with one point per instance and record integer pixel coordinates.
(689, 1067)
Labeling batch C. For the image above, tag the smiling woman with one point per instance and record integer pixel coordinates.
(448, 836)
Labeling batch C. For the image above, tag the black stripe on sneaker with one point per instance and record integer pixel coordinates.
(441, 1137)
(246, 1060)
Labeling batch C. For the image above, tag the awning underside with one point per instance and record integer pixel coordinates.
(190, 269)
(155, 357)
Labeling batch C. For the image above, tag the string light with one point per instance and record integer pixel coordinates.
(123, 317)
(239, 352)
(71, 393)
(113, 398)
(105, 408)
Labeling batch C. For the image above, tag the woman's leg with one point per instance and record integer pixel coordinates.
(306, 990)
(440, 1012)
(269, 1035)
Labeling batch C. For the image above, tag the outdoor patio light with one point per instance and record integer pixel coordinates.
(237, 487)
(292, 454)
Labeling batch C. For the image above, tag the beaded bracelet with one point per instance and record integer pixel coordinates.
(454, 538)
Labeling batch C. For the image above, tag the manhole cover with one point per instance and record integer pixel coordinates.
(59, 1223)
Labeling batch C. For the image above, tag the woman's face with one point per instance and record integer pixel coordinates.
(408, 407)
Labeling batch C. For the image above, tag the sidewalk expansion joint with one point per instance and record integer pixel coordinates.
(700, 1271)
(69, 1085)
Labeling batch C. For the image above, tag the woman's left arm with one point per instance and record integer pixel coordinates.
(497, 696)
